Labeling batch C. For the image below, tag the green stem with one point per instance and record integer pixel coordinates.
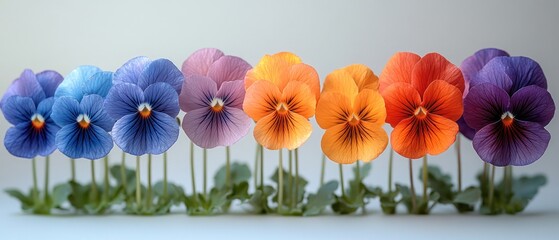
(193, 177)
(342, 180)
(280, 182)
(359, 181)
(138, 183)
(205, 162)
(47, 169)
(261, 168)
(459, 162)
(322, 169)
(491, 186)
(425, 178)
(165, 183)
(228, 166)
(93, 196)
(106, 179)
(123, 173)
(390, 159)
(412, 188)
(35, 186)
(149, 194)
(256, 160)
(290, 179)
(73, 168)
(296, 175)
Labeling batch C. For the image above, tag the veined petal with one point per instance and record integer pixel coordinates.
(276, 131)
(45, 107)
(363, 76)
(130, 72)
(299, 99)
(533, 104)
(398, 69)
(466, 130)
(261, 99)
(401, 101)
(123, 99)
(162, 98)
(272, 68)
(333, 109)
(473, 64)
(306, 74)
(161, 70)
(232, 93)
(25, 86)
(519, 144)
(91, 143)
(523, 72)
(100, 83)
(369, 107)
(200, 61)
(65, 111)
(414, 138)
(494, 72)
(485, 104)
(288, 57)
(209, 129)
(443, 99)
(76, 82)
(49, 81)
(24, 141)
(197, 92)
(433, 67)
(341, 81)
(228, 68)
(346, 144)
(18, 109)
(92, 105)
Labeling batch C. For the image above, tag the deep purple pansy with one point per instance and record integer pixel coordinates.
(212, 97)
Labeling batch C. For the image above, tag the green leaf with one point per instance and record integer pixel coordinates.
(287, 195)
(325, 196)
(524, 190)
(365, 169)
(259, 201)
(60, 194)
(240, 172)
(344, 206)
(440, 183)
(388, 202)
(469, 196)
(116, 173)
(26, 201)
(240, 192)
(79, 196)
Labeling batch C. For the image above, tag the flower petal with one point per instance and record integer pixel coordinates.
(123, 99)
(91, 143)
(130, 72)
(24, 141)
(261, 99)
(200, 61)
(276, 131)
(485, 104)
(369, 106)
(272, 68)
(494, 72)
(162, 98)
(306, 74)
(92, 105)
(65, 111)
(363, 76)
(209, 129)
(161, 70)
(520, 144)
(433, 67)
(341, 81)
(473, 64)
(18, 109)
(100, 83)
(232, 93)
(137, 136)
(76, 82)
(25, 86)
(197, 92)
(524, 71)
(49, 81)
(401, 101)
(45, 107)
(346, 144)
(466, 130)
(333, 108)
(414, 138)
(443, 99)
(398, 69)
(299, 99)
(228, 68)
(533, 104)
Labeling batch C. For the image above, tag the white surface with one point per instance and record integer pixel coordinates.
(61, 35)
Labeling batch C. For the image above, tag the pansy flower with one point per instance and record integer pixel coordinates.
(352, 111)
(508, 105)
(144, 103)
(79, 111)
(27, 104)
(212, 97)
(423, 97)
(281, 95)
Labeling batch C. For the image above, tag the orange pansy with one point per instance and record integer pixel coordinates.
(352, 112)
(423, 100)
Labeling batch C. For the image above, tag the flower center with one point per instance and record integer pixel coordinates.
(83, 120)
(281, 108)
(507, 118)
(354, 120)
(217, 104)
(420, 112)
(145, 110)
(38, 121)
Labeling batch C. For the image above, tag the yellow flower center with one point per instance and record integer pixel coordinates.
(145, 110)
(354, 120)
(281, 108)
(507, 118)
(38, 121)
(420, 112)
(217, 104)
(83, 120)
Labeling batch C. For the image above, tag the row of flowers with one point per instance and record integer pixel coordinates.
(499, 102)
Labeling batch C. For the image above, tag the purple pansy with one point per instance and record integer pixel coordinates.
(508, 106)
(212, 97)
(27, 104)
(144, 103)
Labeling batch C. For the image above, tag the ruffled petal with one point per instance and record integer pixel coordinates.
(100, 83)
(341, 81)
(24, 141)
(401, 101)
(398, 69)
(200, 61)
(123, 99)
(414, 138)
(466, 130)
(18, 109)
(433, 67)
(346, 144)
(197, 92)
(91, 143)
(25, 86)
(363, 76)
(443, 99)
(306, 74)
(369, 107)
(276, 131)
(232, 93)
(161, 70)
(154, 135)
(494, 72)
(261, 99)
(272, 68)
(519, 144)
(485, 104)
(299, 99)
(162, 98)
(92, 105)
(209, 129)
(76, 82)
(228, 68)
(473, 64)
(333, 109)
(49, 81)
(533, 104)
(130, 72)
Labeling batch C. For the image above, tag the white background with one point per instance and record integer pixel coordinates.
(62, 35)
